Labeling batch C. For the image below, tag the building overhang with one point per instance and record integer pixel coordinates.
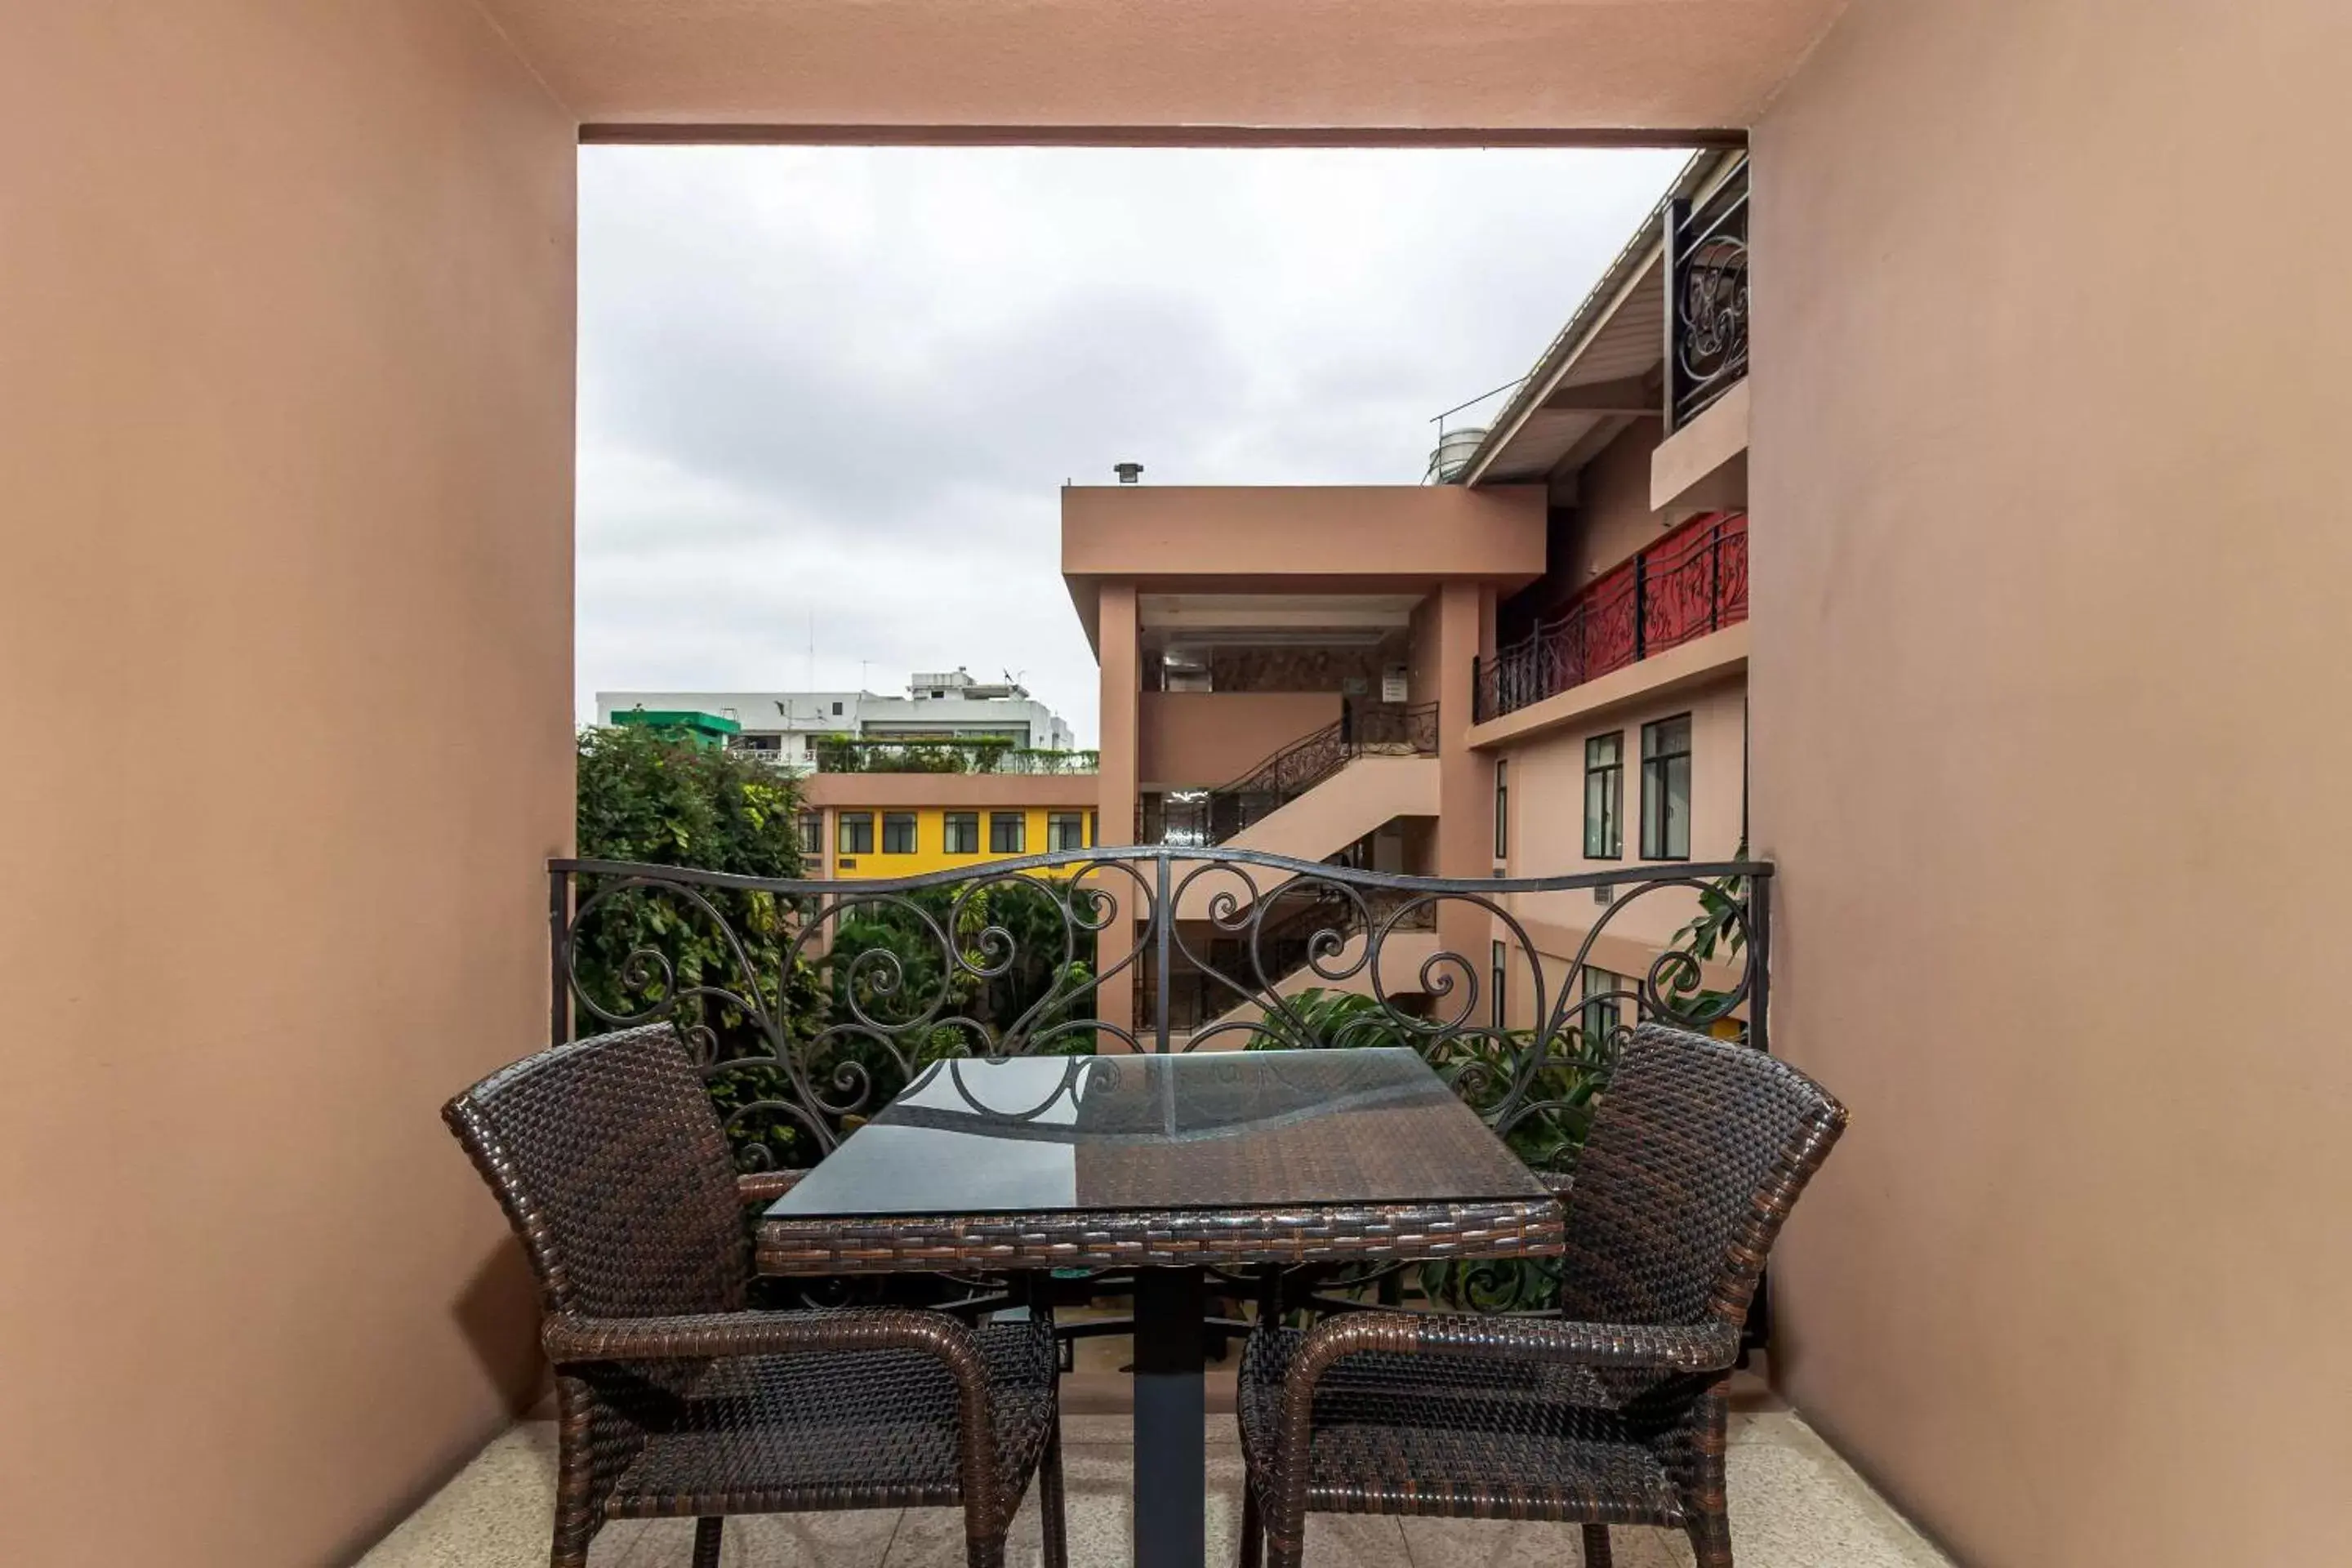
(1605, 369)
(1362, 549)
(1481, 71)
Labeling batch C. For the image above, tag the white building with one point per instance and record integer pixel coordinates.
(949, 705)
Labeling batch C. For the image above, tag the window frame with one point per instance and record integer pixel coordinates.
(1659, 828)
(1602, 995)
(1056, 822)
(1502, 808)
(952, 820)
(812, 826)
(842, 822)
(1610, 777)
(1020, 822)
(892, 820)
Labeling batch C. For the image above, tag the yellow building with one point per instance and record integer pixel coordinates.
(857, 826)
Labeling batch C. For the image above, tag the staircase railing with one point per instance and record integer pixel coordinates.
(1205, 817)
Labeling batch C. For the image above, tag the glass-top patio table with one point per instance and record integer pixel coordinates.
(1164, 1166)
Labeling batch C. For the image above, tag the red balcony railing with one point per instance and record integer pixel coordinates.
(1692, 582)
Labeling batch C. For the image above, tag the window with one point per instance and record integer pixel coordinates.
(1665, 789)
(962, 836)
(1066, 830)
(1498, 980)
(857, 834)
(1604, 796)
(1094, 828)
(897, 833)
(1603, 992)
(1008, 832)
(1502, 807)
(837, 710)
(812, 833)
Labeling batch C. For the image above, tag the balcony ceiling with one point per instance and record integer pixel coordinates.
(1127, 69)
(1211, 618)
(1607, 366)
(1609, 378)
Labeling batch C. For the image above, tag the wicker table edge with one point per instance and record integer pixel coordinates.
(1523, 1227)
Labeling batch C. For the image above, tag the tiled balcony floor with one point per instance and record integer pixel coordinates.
(1794, 1504)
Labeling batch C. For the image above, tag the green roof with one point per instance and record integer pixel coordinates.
(679, 719)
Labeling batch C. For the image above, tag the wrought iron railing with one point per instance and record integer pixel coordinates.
(1692, 582)
(1706, 316)
(1200, 819)
(1282, 948)
(808, 1004)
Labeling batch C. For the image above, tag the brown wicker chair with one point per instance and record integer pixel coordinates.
(675, 1402)
(1614, 1414)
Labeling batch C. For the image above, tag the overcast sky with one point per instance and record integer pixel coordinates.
(848, 384)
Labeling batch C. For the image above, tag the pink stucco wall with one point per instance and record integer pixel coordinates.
(2049, 480)
(1200, 738)
(286, 443)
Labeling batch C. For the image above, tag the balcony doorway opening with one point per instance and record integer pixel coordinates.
(830, 403)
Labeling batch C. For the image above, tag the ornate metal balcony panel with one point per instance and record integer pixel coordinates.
(809, 1003)
(1692, 582)
(1706, 322)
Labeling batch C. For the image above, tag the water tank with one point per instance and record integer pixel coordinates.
(1453, 454)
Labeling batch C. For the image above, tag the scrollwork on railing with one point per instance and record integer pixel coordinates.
(1708, 335)
(1693, 580)
(810, 1004)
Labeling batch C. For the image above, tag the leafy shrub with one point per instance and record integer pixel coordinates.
(1318, 1019)
(844, 754)
(655, 796)
(890, 965)
(848, 755)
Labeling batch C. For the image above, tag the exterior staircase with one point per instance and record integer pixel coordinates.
(1227, 815)
(1312, 800)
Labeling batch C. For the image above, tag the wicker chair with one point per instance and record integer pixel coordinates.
(673, 1401)
(1614, 1413)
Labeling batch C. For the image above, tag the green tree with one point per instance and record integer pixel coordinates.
(713, 960)
(980, 963)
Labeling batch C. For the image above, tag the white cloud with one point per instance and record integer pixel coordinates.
(848, 382)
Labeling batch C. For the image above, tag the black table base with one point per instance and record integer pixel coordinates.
(1171, 1419)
